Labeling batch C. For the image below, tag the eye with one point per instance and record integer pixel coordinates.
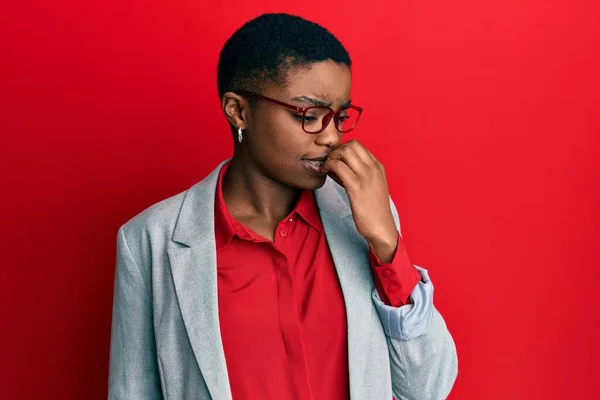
(307, 119)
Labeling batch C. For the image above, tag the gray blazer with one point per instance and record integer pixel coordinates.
(166, 343)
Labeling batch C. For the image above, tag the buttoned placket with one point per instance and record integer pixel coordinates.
(289, 319)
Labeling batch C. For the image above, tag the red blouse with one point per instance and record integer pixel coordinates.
(281, 309)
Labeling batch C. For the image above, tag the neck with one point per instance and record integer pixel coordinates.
(248, 193)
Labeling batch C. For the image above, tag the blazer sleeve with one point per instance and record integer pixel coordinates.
(133, 370)
(423, 358)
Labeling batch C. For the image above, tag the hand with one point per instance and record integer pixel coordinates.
(363, 177)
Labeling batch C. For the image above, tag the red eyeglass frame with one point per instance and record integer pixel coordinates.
(326, 120)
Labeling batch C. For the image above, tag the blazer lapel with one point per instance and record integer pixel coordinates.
(350, 255)
(194, 270)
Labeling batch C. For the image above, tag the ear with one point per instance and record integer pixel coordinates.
(236, 109)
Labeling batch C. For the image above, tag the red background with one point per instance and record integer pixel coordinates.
(486, 115)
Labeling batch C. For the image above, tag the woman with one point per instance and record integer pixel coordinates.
(267, 279)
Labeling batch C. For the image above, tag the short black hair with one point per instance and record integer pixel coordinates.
(266, 47)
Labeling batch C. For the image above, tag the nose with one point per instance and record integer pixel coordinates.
(329, 137)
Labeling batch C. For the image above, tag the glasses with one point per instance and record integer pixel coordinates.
(315, 119)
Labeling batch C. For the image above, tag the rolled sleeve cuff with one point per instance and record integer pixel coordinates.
(395, 280)
(411, 320)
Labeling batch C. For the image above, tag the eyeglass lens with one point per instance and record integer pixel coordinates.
(316, 119)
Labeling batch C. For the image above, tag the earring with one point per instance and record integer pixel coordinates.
(240, 137)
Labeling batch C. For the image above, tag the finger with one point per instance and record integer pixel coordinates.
(365, 155)
(350, 157)
(371, 155)
(340, 172)
(373, 161)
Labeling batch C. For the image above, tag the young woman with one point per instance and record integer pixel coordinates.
(281, 275)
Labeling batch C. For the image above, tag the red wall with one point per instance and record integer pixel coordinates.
(486, 114)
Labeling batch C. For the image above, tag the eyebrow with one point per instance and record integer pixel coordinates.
(317, 102)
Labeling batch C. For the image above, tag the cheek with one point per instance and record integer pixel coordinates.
(281, 136)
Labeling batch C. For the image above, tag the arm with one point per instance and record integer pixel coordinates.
(421, 351)
(133, 370)
(424, 367)
(423, 357)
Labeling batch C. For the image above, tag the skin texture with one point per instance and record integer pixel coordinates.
(267, 172)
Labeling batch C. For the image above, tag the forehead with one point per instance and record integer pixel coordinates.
(326, 80)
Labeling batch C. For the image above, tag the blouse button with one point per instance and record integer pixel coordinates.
(283, 233)
(392, 288)
(388, 273)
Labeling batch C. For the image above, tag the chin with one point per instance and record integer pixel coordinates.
(313, 184)
(303, 179)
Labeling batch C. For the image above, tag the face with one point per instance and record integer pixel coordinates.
(275, 145)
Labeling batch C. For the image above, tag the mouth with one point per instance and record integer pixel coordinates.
(315, 165)
(318, 163)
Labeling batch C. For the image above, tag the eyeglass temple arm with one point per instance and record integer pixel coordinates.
(291, 107)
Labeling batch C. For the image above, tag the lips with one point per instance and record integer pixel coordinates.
(320, 159)
(318, 163)
(315, 165)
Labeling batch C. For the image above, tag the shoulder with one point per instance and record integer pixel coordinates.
(161, 215)
(157, 222)
(153, 227)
